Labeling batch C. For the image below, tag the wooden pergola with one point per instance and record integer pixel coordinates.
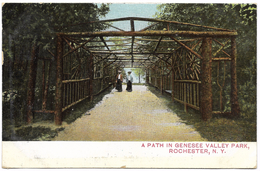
(180, 52)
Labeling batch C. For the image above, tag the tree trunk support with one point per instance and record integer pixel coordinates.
(162, 77)
(59, 76)
(91, 77)
(45, 94)
(235, 109)
(31, 83)
(206, 83)
(173, 77)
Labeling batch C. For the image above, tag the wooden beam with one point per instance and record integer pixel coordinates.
(154, 33)
(158, 43)
(221, 48)
(114, 27)
(148, 27)
(91, 76)
(126, 53)
(59, 77)
(156, 40)
(102, 59)
(235, 109)
(206, 82)
(32, 83)
(114, 40)
(81, 45)
(51, 53)
(102, 39)
(163, 60)
(133, 39)
(221, 59)
(154, 20)
(173, 76)
(189, 49)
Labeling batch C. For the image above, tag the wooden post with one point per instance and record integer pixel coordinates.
(235, 109)
(102, 75)
(206, 83)
(91, 77)
(45, 94)
(43, 77)
(31, 83)
(162, 77)
(173, 77)
(185, 97)
(59, 76)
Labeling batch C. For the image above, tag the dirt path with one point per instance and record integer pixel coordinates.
(129, 116)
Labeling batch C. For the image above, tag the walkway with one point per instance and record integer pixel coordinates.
(125, 116)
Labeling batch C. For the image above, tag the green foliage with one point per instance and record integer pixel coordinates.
(140, 72)
(42, 21)
(28, 24)
(239, 17)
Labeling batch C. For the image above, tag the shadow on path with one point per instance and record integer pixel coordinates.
(130, 116)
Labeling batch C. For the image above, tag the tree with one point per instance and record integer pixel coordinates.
(239, 17)
(140, 72)
(35, 24)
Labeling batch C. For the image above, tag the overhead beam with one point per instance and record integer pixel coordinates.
(154, 33)
(128, 59)
(141, 53)
(114, 40)
(153, 20)
(133, 39)
(156, 40)
(114, 27)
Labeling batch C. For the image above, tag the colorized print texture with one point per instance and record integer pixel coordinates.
(129, 72)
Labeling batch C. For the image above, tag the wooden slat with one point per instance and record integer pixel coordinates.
(190, 105)
(188, 81)
(198, 95)
(221, 59)
(72, 104)
(44, 111)
(194, 94)
(71, 81)
(219, 112)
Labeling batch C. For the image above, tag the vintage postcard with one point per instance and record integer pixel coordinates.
(129, 85)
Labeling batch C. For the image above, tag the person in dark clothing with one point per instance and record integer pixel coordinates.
(119, 80)
(129, 80)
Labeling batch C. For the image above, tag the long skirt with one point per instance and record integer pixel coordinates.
(129, 86)
(119, 85)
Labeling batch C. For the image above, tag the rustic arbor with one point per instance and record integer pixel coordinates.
(178, 59)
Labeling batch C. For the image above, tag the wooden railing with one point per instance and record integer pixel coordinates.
(74, 91)
(187, 92)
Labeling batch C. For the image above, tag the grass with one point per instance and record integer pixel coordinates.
(219, 128)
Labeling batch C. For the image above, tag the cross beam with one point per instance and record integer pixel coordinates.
(154, 33)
